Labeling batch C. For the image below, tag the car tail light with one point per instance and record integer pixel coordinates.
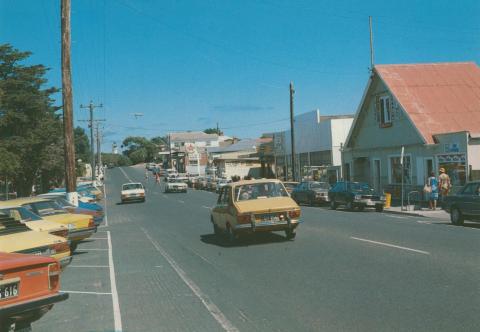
(62, 233)
(142, 194)
(294, 214)
(91, 223)
(244, 218)
(53, 275)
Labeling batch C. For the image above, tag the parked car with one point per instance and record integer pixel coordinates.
(355, 195)
(97, 215)
(132, 192)
(80, 226)
(201, 183)
(252, 206)
(290, 185)
(465, 204)
(175, 185)
(222, 183)
(17, 237)
(34, 222)
(29, 287)
(311, 192)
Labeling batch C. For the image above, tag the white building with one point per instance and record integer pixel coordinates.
(318, 142)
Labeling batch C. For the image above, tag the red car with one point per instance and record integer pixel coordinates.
(29, 287)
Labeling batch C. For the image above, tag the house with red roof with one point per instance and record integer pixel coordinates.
(431, 110)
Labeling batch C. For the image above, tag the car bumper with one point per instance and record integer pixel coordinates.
(266, 226)
(176, 189)
(65, 261)
(81, 234)
(368, 202)
(30, 311)
(321, 199)
(133, 198)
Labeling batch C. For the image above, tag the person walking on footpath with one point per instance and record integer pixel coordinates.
(432, 182)
(444, 183)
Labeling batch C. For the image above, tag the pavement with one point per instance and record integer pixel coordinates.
(423, 212)
(156, 266)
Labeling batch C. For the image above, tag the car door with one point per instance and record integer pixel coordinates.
(476, 201)
(219, 210)
(466, 199)
(343, 192)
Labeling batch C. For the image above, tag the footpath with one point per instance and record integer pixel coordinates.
(423, 212)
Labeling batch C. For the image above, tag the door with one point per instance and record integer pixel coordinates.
(218, 212)
(376, 175)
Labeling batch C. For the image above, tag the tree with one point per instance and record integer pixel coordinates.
(213, 131)
(140, 149)
(30, 128)
(116, 159)
(82, 145)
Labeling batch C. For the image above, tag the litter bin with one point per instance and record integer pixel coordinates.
(388, 200)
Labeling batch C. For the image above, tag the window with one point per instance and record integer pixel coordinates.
(385, 112)
(470, 189)
(396, 170)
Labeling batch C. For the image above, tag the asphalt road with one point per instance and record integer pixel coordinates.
(345, 271)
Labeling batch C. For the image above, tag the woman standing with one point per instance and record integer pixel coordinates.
(432, 182)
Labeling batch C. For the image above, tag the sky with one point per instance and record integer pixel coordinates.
(188, 65)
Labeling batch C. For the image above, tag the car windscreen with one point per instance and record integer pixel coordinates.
(48, 208)
(361, 187)
(132, 186)
(320, 185)
(20, 213)
(259, 191)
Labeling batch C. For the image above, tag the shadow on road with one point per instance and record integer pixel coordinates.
(243, 241)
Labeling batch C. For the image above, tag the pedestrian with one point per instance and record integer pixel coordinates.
(444, 183)
(432, 182)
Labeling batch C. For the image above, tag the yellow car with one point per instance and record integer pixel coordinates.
(80, 226)
(17, 237)
(34, 222)
(255, 206)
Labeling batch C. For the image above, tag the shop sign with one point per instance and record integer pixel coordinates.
(451, 158)
(452, 147)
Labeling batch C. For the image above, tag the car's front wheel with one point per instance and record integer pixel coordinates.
(333, 204)
(456, 217)
(290, 234)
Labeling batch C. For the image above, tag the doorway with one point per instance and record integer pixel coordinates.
(377, 174)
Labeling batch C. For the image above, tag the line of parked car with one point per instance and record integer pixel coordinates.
(38, 236)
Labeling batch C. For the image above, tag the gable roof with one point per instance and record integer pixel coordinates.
(438, 97)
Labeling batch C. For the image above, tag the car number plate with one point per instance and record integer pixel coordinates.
(9, 290)
(270, 218)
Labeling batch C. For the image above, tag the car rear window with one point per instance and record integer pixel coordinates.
(132, 186)
(260, 191)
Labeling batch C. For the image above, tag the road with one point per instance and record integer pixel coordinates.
(345, 271)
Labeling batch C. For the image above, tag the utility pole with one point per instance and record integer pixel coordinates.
(218, 130)
(292, 132)
(99, 141)
(67, 100)
(170, 151)
(91, 107)
(371, 44)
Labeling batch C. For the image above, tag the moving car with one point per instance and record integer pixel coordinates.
(17, 237)
(290, 185)
(175, 185)
(132, 191)
(355, 195)
(29, 287)
(465, 204)
(252, 206)
(80, 226)
(311, 192)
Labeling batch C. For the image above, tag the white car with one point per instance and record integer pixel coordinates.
(133, 191)
(175, 185)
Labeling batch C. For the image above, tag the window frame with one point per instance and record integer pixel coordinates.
(385, 109)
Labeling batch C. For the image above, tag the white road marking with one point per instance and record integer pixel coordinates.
(397, 217)
(180, 201)
(128, 178)
(209, 305)
(391, 245)
(105, 201)
(117, 316)
(206, 207)
(427, 222)
(82, 292)
(88, 266)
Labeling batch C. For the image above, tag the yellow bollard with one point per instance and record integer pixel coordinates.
(388, 200)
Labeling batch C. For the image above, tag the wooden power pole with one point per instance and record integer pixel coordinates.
(292, 131)
(91, 107)
(67, 96)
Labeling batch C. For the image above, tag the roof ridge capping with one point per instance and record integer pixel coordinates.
(426, 64)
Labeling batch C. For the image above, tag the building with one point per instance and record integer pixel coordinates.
(318, 141)
(432, 110)
(189, 150)
(237, 160)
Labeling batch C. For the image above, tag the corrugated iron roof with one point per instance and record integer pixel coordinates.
(438, 97)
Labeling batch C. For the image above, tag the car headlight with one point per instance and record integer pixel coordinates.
(358, 197)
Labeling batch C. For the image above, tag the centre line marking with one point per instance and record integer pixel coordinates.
(81, 292)
(117, 316)
(209, 305)
(390, 245)
(128, 178)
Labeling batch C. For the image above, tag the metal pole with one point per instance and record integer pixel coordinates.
(292, 132)
(170, 150)
(67, 99)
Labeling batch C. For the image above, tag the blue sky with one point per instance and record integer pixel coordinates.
(190, 64)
